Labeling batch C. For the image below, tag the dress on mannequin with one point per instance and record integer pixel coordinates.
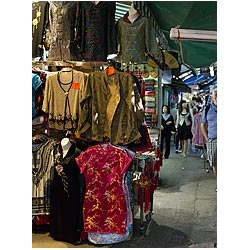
(67, 194)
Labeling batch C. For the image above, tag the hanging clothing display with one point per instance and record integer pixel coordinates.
(98, 167)
(40, 20)
(105, 208)
(41, 177)
(67, 193)
(135, 39)
(63, 30)
(111, 108)
(98, 30)
(62, 97)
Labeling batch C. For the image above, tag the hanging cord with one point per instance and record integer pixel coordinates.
(182, 59)
(181, 52)
(67, 103)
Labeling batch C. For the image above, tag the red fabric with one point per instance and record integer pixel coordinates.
(104, 205)
(83, 235)
(150, 110)
(157, 166)
(42, 220)
(149, 93)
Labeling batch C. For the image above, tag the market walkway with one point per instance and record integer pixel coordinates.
(184, 210)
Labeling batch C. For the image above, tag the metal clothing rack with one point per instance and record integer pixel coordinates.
(78, 65)
(145, 180)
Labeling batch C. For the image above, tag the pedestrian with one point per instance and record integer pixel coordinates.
(198, 138)
(184, 124)
(178, 146)
(173, 112)
(167, 129)
(209, 130)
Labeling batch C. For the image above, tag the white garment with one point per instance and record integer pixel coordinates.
(181, 118)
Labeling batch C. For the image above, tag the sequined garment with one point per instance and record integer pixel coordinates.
(63, 23)
(105, 209)
(98, 30)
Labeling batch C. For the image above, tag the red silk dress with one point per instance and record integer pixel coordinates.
(104, 207)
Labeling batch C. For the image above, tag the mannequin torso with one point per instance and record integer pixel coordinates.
(66, 144)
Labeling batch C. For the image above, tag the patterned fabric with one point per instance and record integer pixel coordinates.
(149, 82)
(105, 208)
(98, 30)
(41, 158)
(63, 19)
(150, 93)
(150, 105)
(150, 110)
(40, 20)
(111, 238)
(63, 114)
(212, 152)
(135, 39)
(148, 88)
(149, 98)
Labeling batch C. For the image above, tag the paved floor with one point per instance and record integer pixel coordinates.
(184, 210)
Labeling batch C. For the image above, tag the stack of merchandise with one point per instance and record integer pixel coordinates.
(150, 102)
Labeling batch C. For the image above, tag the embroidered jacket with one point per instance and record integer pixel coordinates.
(110, 107)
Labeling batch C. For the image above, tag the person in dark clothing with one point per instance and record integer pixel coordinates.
(167, 128)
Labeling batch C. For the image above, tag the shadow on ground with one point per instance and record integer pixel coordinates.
(158, 236)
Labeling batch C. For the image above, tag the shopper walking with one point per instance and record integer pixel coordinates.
(209, 130)
(198, 138)
(184, 124)
(167, 128)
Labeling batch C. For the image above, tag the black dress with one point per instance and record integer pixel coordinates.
(67, 192)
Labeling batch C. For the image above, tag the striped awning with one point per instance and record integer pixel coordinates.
(121, 9)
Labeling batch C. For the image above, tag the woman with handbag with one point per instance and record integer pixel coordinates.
(167, 129)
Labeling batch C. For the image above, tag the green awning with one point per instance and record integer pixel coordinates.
(196, 15)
